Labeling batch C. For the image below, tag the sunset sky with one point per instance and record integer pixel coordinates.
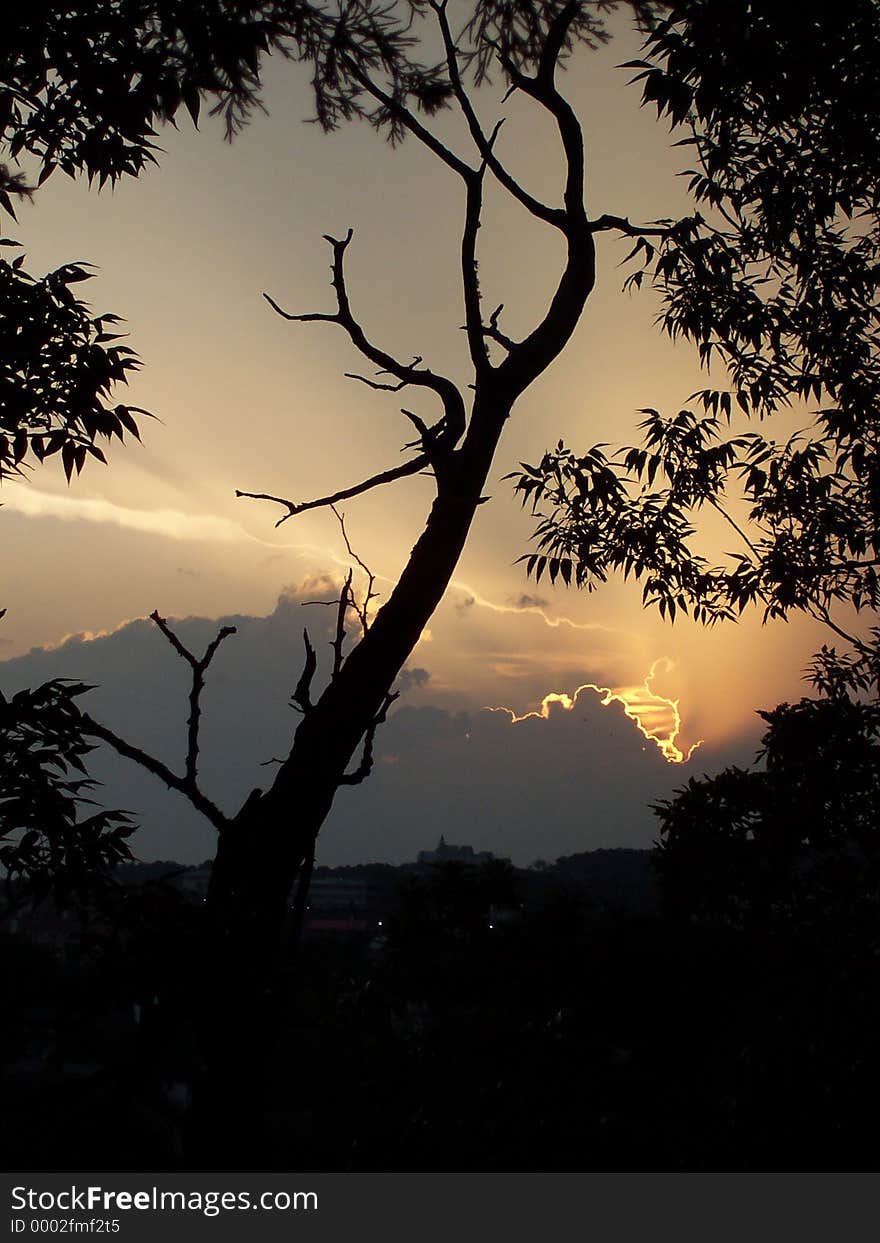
(245, 400)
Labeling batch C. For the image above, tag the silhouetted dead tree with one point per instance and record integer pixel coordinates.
(281, 823)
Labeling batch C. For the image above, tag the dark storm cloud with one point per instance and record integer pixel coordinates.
(577, 781)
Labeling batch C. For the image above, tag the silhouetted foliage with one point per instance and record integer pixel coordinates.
(580, 1037)
(51, 836)
(794, 837)
(778, 286)
(84, 89)
(86, 85)
(58, 366)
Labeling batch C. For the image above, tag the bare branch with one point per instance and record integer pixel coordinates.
(199, 668)
(361, 610)
(345, 600)
(531, 356)
(314, 317)
(412, 467)
(183, 786)
(622, 225)
(556, 35)
(187, 784)
(428, 441)
(415, 127)
(301, 696)
(470, 278)
(365, 767)
(426, 433)
(173, 639)
(820, 613)
(551, 215)
(384, 388)
(494, 333)
(388, 388)
(453, 405)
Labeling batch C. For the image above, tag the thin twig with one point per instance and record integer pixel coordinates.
(363, 611)
(411, 467)
(384, 388)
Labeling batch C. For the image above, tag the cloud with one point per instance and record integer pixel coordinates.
(170, 523)
(546, 786)
(656, 717)
(173, 524)
(412, 679)
(525, 601)
(535, 610)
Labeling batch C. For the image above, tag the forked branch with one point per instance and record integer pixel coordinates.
(483, 143)
(199, 667)
(453, 406)
(186, 784)
(494, 333)
(362, 610)
(378, 385)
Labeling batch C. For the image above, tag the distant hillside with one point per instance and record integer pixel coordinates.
(616, 877)
(619, 877)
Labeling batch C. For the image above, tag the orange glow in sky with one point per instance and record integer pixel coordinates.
(656, 717)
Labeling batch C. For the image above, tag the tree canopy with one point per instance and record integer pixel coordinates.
(794, 838)
(85, 89)
(53, 836)
(774, 278)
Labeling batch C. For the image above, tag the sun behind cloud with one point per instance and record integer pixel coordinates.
(655, 716)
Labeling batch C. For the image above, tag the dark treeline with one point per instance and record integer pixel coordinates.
(571, 1017)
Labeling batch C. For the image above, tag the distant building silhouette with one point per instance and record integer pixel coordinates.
(446, 853)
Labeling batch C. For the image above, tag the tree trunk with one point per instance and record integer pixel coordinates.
(241, 996)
